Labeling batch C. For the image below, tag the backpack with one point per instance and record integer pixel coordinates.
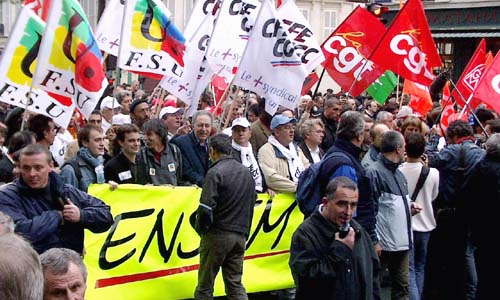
(74, 164)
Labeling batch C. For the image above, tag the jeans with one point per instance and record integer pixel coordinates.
(221, 249)
(470, 271)
(398, 264)
(418, 257)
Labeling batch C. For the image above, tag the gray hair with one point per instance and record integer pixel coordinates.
(57, 260)
(335, 183)
(390, 141)
(351, 125)
(6, 223)
(122, 94)
(199, 113)
(383, 116)
(21, 276)
(493, 146)
(308, 126)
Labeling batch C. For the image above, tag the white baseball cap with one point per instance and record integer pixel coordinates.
(168, 110)
(243, 122)
(109, 102)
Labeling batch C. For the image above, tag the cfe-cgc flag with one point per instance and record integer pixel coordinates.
(298, 30)
(150, 42)
(16, 70)
(108, 32)
(407, 47)
(234, 24)
(200, 11)
(382, 88)
(347, 50)
(267, 67)
(69, 61)
(471, 76)
(488, 88)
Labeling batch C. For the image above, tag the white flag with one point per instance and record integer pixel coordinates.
(299, 31)
(109, 28)
(200, 10)
(234, 24)
(270, 65)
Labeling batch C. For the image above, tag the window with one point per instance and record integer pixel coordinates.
(90, 9)
(445, 48)
(330, 22)
(170, 4)
(188, 10)
(305, 12)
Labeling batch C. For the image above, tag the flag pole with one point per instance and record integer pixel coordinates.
(465, 106)
(470, 108)
(319, 82)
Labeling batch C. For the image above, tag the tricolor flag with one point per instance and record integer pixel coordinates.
(69, 61)
(299, 31)
(274, 75)
(347, 50)
(382, 88)
(407, 47)
(149, 42)
(488, 88)
(230, 37)
(108, 29)
(17, 65)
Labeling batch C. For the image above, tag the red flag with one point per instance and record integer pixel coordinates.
(488, 88)
(346, 51)
(420, 99)
(35, 5)
(278, 3)
(446, 95)
(471, 75)
(220, 85)
(310, 80)
(45, 10)
(407, 47)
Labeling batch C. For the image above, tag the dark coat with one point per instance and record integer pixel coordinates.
(38, 219)
(227, 199)
(330, 133)
(121, 170)
(325, 268)
(307, 153)
(195, 159)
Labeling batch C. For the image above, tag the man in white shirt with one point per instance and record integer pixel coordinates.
(109, 107)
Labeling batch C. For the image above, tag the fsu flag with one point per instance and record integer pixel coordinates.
(407, 47)
(276, 76)
(488, 88)
(471, 75)
(420, 99)
(69, 61)
(16, 70)
(149, 41)
(347, 50)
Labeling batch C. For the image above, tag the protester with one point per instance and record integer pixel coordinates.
(45, 131)
(123, 117)
(64, 273)
(21, 276)
(279, 158)
(139, 112)
(376, 132)
(172, 117)
(6, 223)
(386, 118)
(9, 163)
(313, 132)
(424, 222)
(109, 108)
(394, 211)
(330, 118)
(95, 118)
(261, 128)
(367, 139)
(326, 265)
(371, 109)
(194, 148)
(223, 220)
(81, 170)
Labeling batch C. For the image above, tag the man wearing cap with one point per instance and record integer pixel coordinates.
(125, 99)
(139, 112)
(109, 107)
(171, 116)
(279, 158)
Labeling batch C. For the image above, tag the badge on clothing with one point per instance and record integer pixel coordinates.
(125, 175)
(171, 167)
(152, 171)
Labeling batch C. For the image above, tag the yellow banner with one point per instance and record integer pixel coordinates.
(151, 251)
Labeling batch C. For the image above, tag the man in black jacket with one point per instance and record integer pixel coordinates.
(332, 256)
(223, 219)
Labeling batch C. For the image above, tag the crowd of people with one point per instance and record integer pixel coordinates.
(399, 195)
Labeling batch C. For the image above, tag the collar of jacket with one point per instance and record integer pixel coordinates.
(55, 182)
(222, 158)
(328, 122)
(374, 152)
(328, 225)
(348, 147)
(280, 155)
(389, 164)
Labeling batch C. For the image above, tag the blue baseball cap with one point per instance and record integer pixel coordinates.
(279, 120)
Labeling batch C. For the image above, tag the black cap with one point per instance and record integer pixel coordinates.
(135, 103)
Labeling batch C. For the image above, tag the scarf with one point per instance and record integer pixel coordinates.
(295, 165)
(84, 153)
(249, 161)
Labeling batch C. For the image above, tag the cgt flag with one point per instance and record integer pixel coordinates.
(471, 76)
(267, 67)
(149, 42)
(488, 88)
(382, 88)
(347, 50)
(69, 61)
(407, 47)
(16, 70)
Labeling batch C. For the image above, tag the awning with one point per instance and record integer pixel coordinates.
(465, 34)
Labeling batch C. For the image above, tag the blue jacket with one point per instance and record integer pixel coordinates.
(87, 172)
(195, 159)
(37, 218)
(345, 162)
